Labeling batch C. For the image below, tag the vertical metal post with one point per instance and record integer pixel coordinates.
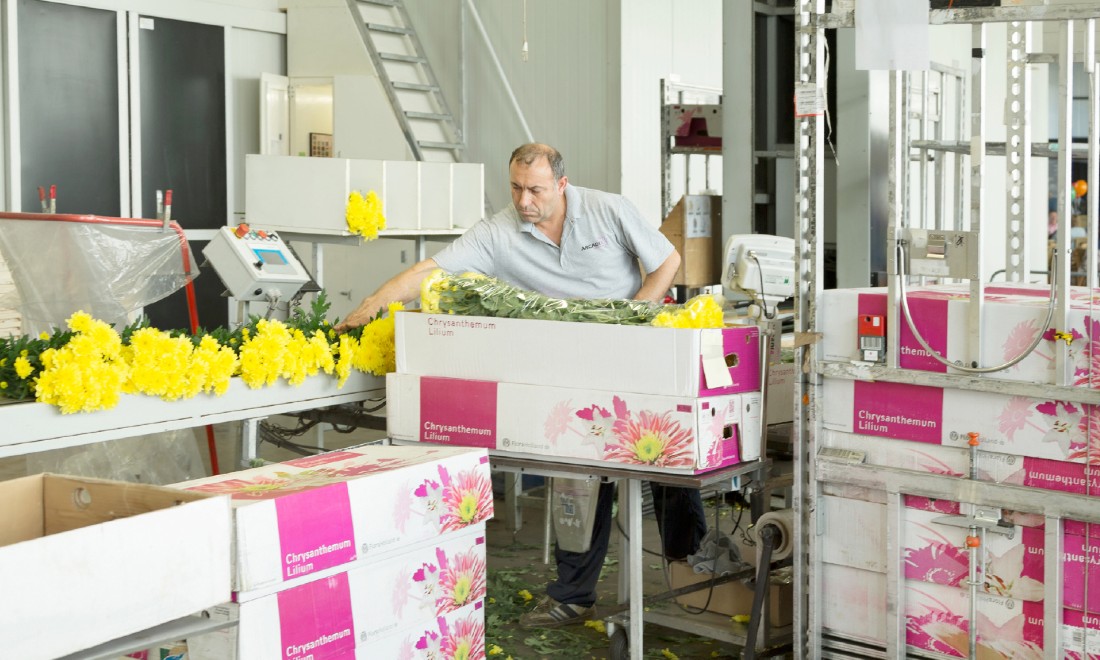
(895, 173)
(977, 163)
(1017, 151)
(1052, 581)
(1063, 367)
(634, 494)
(809, 208)
(666, 153)
(895, 577)
(1094, 160)
(922, 129)
(941, 159)
(960, 136)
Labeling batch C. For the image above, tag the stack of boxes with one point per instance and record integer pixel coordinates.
(374, 552)
(1040, 443)
(672, 400)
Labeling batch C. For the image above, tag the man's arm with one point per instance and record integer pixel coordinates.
(403, 287)
(657, 283)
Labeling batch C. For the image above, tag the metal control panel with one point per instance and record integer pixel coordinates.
(255, 265)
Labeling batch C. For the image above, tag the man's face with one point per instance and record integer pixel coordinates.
(536, 195)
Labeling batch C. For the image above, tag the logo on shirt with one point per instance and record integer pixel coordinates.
(599, 242)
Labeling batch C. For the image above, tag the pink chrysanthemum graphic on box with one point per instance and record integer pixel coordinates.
(1087, 358)
(270, 486)
(939, 562)
(1089, 426)
(651, 439)
(461, 581)
(449, 503)
(467, 499)
(466, 641)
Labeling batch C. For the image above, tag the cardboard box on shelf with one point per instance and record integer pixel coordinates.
(356, 609)
(731, 598)
(681, 435)
(933, 551)
(693, 227)
(85, 561)
(316, 514)
(1013, 316)
(1006, 424)
(589, 356)
(853, 603)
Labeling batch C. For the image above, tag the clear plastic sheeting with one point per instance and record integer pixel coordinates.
(161, 459)
(107, 267)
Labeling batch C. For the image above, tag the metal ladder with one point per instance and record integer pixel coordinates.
(408, 79)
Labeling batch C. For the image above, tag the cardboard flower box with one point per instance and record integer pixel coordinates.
(936, 616)
(1016, 425)
(682, 435)
(357, 610)
(1014, 315)
(318, 514)
(935, 552)
(85, 561)
(587, 356)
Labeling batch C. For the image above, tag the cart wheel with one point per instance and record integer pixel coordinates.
(620, 645)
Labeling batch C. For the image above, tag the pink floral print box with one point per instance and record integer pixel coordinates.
(303, 517)
(367, 610)
(683, 435)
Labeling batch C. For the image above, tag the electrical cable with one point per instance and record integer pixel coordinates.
(944, 361)
(763, 302)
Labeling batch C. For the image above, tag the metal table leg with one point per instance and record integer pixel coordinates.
(634, 493)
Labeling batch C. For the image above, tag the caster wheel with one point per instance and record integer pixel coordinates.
(620, 645)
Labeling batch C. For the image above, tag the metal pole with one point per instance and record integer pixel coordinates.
(500, 70)
(1063, 363)
(977, 164)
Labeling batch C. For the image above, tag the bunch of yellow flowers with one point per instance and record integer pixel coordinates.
(364, 214)
(89, 366)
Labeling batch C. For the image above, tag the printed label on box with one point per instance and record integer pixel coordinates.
(458, 412)
(315, 530)
(898, 410)
(315, 619)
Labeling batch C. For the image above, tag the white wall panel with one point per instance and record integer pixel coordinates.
(251, 53)
(661, 38)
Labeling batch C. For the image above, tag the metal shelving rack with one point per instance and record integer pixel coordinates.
(678, 99)
(819, 475)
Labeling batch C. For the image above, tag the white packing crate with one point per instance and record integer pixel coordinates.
(86, 561)
(311, 515)
(356, 609)
(682, 435)
(590, 356)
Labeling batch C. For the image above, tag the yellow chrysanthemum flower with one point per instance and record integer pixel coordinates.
(23, 367)
(364, 214)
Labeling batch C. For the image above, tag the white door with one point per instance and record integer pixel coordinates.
(274, 115)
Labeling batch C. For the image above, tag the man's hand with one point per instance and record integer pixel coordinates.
(371, 307)
(403, 287)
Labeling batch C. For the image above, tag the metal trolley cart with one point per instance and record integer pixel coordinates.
(834, 474)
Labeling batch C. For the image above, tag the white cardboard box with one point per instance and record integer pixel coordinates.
(358, 608)
(1014, 315)
(854, 603)
(316, 514)
(1050, 429)
(682, 435)
(85, 561)
(591, 356)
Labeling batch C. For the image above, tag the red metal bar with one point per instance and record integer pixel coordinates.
(185, 251)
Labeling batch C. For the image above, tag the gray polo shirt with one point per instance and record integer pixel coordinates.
(604, 239)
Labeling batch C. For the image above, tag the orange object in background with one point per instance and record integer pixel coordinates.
(1081, 187)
